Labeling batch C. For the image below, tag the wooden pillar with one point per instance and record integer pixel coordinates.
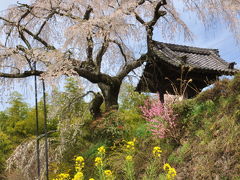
(161, 95)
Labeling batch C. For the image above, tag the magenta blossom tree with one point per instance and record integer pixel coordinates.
(161, 119)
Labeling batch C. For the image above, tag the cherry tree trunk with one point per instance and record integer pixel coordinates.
(110, 94)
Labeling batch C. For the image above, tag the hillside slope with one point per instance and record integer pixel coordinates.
(210, 144)
(207, 146)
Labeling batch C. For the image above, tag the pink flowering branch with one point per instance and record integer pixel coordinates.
(161, 119)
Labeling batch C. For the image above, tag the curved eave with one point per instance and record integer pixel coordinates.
(219, 72)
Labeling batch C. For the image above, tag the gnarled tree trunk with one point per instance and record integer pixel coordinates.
(95, 105)
(110, 94)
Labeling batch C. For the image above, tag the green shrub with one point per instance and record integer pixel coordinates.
(6, 147)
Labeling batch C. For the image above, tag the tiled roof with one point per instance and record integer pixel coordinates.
(197, 58)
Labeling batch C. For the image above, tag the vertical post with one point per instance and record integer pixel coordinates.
(161, 94)
(45, 128)
(37, 123)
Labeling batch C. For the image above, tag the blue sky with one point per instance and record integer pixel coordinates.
(5, 3)
(217, 38)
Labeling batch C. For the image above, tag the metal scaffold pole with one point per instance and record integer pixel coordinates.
(37, 127)
(45, 128)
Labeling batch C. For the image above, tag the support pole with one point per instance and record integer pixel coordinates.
(37, 125)
(45, 128)
(161, 94)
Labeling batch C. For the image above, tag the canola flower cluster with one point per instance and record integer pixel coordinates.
(79, 163)
(129, 158)
(170, 171)
(129, 148)
(106, 174)
(130, 145)
(156, 151)
(63, 176)
(78, 176)
(98, 161)
(101, 150)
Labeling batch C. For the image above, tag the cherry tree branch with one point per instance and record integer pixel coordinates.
(157, 13)
(24, 39)
(150, 25)
(139, 19)
(21, 75)
(94, 77)
(34, 36)
(90, 48)
(89, 37)
(88, 13)
(133, 65)
(121, 49)
(101, 52)
(25, 15)
(44, 23)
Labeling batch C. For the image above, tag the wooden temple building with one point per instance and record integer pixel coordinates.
(182, 70)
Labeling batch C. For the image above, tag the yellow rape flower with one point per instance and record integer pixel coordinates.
(98, 161)
(63, 176)
(156, 151)
(91, 179)
(171, 172)
(166, 167)
(79, 163)
(78, 176)
(79, 159)
(108, 173)
(101, 150)
(130, 145)
(129, 158)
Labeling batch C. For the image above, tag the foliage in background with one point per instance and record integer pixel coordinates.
(18, 124)
(72, 114)
(5, 148)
